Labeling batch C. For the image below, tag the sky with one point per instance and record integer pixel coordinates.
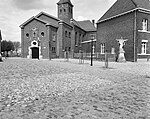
(15, 12)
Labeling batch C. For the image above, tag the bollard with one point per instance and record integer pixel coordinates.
(106, 60)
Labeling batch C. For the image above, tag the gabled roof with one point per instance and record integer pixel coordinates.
(87, 25)
(55, 24)
(124, 6)
(31, 19)
(142, 4)
(43, 13)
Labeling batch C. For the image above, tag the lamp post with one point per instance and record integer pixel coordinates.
(0, 47)
(92, 38)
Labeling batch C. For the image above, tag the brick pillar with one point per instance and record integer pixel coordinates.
(72, 39)
(49, 42)
(22, 42)
(60, 46)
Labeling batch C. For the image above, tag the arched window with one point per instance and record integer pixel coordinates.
(65, 33)
(64, 10)
(60, 10)
(69, 34)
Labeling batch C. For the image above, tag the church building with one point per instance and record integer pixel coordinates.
(126, 19)
(44, 36)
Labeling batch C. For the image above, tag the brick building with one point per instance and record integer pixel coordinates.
(45, 36)
(129, 19)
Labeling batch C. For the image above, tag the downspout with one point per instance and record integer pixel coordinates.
(135, 27)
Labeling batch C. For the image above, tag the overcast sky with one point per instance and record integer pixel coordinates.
(14, 12)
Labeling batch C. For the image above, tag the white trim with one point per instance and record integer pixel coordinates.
(88, 41)
(143, 31)
(117, 15)
(144, 54)
(144, 41)
(144, 10)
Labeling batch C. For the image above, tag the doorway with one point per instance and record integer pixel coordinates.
(35, 53)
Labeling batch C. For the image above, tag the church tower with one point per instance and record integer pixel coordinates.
(65, 10)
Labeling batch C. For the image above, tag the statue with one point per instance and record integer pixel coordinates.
(121, 57)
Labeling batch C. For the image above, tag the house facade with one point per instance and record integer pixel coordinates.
(45, 36)
(129, 19)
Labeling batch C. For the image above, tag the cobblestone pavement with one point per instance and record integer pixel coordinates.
(43, 89)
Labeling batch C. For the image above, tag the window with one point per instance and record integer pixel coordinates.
(76, 38)
(54, 37)
(27, 35)
(143, 49)
(64, 10)
(42, 34)
(71, 10)
(60, 10)
(66, 49)
(53, 49)
(103, 48)
(69, 34)
(65, 33)
(145, 24)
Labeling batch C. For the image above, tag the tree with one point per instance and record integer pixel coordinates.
(7, 46)
(16, 46)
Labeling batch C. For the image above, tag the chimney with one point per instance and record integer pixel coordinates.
(93, 21)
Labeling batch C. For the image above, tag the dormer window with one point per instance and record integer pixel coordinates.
(144, 24)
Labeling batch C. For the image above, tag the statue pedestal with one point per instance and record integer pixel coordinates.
(1, 58)
(121, 57)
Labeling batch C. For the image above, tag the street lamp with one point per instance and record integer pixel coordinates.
(0, 47)
(92, 38)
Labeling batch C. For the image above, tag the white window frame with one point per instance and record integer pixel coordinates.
(144, 46)
(145, 24)
(102, 48)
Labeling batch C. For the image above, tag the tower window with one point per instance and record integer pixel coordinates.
(54, 37)
(60, 10)
(69, 9)
(64, 10)
(69, 34)
(65, 33)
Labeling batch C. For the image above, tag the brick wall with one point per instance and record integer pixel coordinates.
(143, 35)
(109, 31)
(26, 41)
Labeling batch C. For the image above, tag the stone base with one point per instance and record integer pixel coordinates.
(121, 57)
(1, 58)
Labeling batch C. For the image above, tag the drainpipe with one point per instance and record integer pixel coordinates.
(135, 27)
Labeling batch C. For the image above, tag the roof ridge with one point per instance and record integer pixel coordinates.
(47, 15)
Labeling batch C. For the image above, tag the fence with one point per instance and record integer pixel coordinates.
(96, 56)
